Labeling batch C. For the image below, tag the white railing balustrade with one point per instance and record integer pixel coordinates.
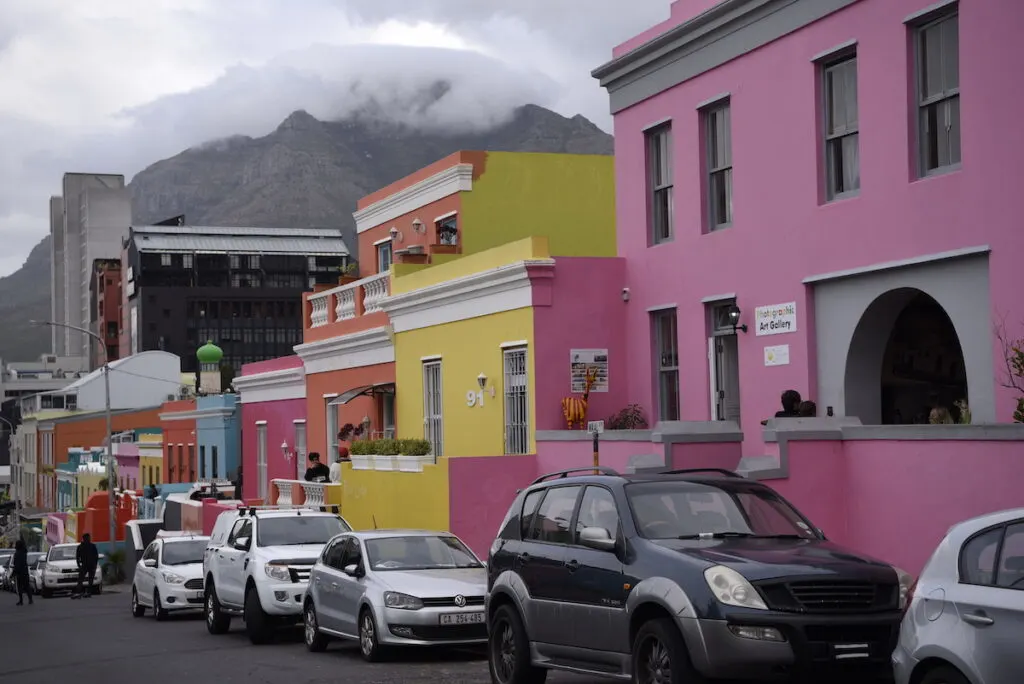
(375, 289)
(318, 309)
(284, 491)
(346, 303)
(315, 492)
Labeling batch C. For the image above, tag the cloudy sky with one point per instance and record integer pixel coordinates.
(112, 86)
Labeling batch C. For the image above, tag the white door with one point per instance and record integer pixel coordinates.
(300, 450)
(261, 463)
(726, 377)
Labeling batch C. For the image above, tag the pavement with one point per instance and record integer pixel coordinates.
(97, 641)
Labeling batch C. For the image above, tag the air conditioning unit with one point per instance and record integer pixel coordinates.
(50, 359)
(171, 397)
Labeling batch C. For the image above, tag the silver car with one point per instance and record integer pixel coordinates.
(395, 588)
(965, 619)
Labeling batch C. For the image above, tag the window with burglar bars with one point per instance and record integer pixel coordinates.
(517, 422)
(433, 414)
(659, 179)
(718, 160)
(938, 92)
(261, 462)
(300, 450)
(842, 133)
(666, 350)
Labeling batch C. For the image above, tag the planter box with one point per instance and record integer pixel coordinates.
(346, 279)
(414, 464)
(385, 462)
(362, 462)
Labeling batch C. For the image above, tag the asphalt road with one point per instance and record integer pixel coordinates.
(97, 641)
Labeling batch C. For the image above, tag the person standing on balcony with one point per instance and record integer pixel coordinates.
(21, 572)
(87, 558)
(790, 405)
(336, 466)
(317, 471)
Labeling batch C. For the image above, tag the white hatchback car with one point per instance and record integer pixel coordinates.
(169, 576)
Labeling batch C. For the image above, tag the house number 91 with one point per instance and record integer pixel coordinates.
(475, 398)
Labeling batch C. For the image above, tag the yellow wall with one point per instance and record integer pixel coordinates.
(375, 499)
(409, 277)
(467, 348)
(570, 198)
(150, 460)
(88, 483)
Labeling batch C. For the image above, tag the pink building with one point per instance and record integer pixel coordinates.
(273, 399)
(127, 455)
(769, 247)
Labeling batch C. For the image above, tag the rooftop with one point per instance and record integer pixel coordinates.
(241, 240)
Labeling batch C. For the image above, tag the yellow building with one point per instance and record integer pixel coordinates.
(151, 457)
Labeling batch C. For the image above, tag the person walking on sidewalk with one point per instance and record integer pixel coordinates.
(87, 558)
(21, 572)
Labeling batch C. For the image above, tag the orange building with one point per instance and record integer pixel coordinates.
(178, 423)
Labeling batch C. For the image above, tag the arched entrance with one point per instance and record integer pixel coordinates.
(905, 358)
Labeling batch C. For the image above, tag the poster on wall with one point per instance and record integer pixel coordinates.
(582, 361)
(777, 355)
(776, 319)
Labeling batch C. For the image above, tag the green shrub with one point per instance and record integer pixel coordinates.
(390, 447)
(413, 447)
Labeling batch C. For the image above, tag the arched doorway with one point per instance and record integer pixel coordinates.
(905, 358)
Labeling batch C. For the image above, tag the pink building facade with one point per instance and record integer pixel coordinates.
(273, 400)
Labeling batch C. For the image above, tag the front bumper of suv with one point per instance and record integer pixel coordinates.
(836, 646)
(281, 599)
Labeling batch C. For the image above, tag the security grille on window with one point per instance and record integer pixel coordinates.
(261, 461)
(448, 231)
(938, 92)
(666, 350)
(718, 150)
(300, 450)
(517, 424)
(433, 415)
(165, 259)
(659, 172)
(842, 137)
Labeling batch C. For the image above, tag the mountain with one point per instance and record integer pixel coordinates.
(307, 172)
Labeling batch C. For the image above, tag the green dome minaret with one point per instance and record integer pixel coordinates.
(209, 356)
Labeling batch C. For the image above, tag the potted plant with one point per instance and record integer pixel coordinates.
(413, 454)
(407, 455)
(630, 418)
(362, 452)
(349, 273)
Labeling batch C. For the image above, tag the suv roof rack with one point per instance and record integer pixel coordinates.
(599, 470)
(299, 509)
(694, 471)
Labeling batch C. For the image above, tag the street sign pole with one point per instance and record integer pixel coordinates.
(596, 427)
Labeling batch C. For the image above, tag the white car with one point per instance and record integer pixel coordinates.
(61, 571)
(169, 576)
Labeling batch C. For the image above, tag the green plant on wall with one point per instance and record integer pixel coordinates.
(390, 447)
(1013, 351)
(630, 418)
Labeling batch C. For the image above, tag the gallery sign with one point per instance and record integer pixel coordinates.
(776, 319)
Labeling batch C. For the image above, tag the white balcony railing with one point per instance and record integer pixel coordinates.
(346, 304)
(375, 289)
(318, 309)
(301, 493)
(342, 299)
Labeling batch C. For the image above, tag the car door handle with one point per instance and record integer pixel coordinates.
(334, 585)
(573, 565)
(978, 619)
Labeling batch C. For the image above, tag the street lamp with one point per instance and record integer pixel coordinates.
(110, 422)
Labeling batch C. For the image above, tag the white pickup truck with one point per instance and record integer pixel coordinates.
(257, 565)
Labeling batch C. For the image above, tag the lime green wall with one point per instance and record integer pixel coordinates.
(569, 198)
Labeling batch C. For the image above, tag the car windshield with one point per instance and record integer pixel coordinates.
(419, 553)
(183, 552)
(63, 553)
(298, 529)
(693, 510)
(34, 557)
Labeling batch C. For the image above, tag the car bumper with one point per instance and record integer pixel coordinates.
(177, 597)
(282, 599)
(67, 582)
(832, 646)
(424, 627)
(903, 665)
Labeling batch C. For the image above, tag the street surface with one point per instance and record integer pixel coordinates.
(97, 641)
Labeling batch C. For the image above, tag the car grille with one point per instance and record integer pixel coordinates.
(450, 601)
(830, 596)
(439, 633)
(877, 642)
(299, 573)
(194, 583)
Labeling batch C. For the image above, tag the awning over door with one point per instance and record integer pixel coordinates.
(365, 390)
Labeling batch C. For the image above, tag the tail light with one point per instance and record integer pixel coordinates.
(910, 597)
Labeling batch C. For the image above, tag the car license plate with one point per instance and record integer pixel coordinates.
(462, 618)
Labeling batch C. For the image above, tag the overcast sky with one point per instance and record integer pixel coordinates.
(112, 86)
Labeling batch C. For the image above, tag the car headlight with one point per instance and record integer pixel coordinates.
(732, 588)
(278, 572)
(394, 599)
(172, 578)
(906, 581)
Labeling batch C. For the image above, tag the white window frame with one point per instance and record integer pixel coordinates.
(841, 128)
(331, 421)
(659, 319)
(261, 462)
(300, 448)
(516, 373)
(165, 259)
(433, 406)
(945, 101)
(658, 144)
(387, 412)
(717, 120)
(384, 264)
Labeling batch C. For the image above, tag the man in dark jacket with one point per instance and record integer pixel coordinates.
(317, 471)
(87, 558)
(21, 572)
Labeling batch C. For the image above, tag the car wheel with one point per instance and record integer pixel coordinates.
(508, 650)
(257, 623)
(216, 621)
(159, 612)
(944, 675)
(660, 656)
(138, 610)
(97, 590)
(369, 644)
(316, 641)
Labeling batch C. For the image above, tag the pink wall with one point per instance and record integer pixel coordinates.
(901, 517)
(558, 455)
(707, 455)
(280, 417)
(280, 363)
(211, 511)
(585, 295)
(781, 233)
(481, 490)
(128, 465)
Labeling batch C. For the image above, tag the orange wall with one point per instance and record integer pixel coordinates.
(337, 382)
(92, 432)
(179, 432)
(408, 237)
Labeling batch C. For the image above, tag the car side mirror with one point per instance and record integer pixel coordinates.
(597, 538)
(149, 562)
(242, 543)
(354, 570)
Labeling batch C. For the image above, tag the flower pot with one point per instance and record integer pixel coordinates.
(387, 462)
(414, 464)
(346, 279)
(362, 462)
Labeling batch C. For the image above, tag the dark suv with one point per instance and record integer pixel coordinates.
(681, 576)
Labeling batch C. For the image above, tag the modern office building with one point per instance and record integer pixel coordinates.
(239, 287)
(105, 310)
(87, 222)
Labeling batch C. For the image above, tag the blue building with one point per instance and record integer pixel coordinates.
(218, 436)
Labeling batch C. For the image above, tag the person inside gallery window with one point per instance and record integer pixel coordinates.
(807, 409)
(317, 471)
(790, 405)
